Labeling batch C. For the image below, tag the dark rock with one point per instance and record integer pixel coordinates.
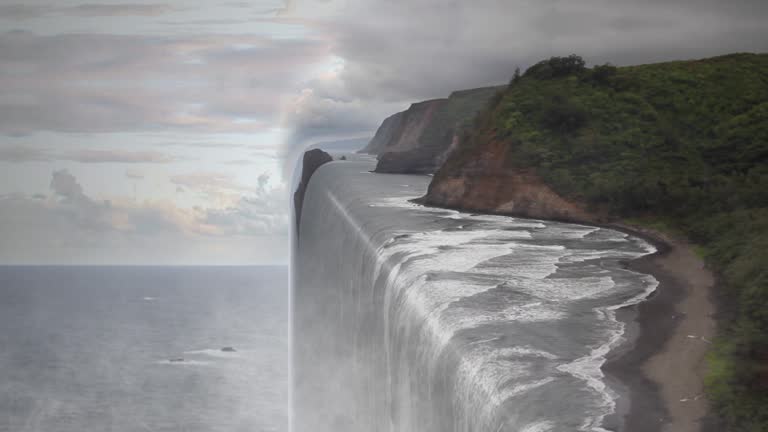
(313, 159)
(228, 349)
(176, 360)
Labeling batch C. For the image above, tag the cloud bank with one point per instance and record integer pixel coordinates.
(397, 52)
(71, 219)
(114, 83)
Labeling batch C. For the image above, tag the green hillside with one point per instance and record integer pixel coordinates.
(683, 145)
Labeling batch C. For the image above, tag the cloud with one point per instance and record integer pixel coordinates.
(21, 11)
(208, 181)
(261, 208)
(263, 180)
(40, 230)
(65, 185)
(23, 154)
(117, 83)
(138, 9)
(261, 211)
(115, 156)
(421, 49)
(240, 162)
(134, 174)
(33, 154)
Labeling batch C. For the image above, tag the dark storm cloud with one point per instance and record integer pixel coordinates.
(107, 83)
(401, 51)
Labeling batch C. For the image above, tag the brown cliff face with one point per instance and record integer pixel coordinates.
(486, 182)
(313, 159)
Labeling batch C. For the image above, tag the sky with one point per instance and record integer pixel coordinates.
(165, 132)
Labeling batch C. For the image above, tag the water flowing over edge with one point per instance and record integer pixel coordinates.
(437, 284)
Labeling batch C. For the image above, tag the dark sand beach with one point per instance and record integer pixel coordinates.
(664, 361)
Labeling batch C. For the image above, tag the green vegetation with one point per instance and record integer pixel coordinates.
(682, 143)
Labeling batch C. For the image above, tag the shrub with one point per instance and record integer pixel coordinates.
(557, 67)
(602, 74)
(563, 115)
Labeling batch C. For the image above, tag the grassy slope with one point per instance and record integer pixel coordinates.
(682, 144)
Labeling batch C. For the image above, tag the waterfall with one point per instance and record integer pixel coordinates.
(413, 319)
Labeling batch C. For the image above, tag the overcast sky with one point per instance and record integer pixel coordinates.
(162, 132)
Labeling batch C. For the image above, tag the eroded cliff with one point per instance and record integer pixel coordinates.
(487, 182)
(418, 140)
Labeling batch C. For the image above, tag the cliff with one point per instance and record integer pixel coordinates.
(384, 134)
(485, 183)
(313, 159)
(681, 146)
(418, 140)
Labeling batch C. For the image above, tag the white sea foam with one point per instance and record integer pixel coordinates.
(589, 367)
(429, 272)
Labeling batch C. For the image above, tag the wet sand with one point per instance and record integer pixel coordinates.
(663, 363)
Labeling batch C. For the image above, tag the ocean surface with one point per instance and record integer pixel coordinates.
(416, 319)
(90, 349)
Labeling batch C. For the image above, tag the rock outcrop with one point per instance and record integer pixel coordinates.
(486, 182)
(313, 159)
(418, 140)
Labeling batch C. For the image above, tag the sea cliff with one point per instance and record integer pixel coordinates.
(678, 150)
(418, 140)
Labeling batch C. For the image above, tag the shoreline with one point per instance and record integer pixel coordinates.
(663, 387)
(662, 361)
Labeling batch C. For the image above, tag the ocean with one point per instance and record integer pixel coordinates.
(434, 320)
(128, 349)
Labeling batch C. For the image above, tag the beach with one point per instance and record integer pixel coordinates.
(663, 363)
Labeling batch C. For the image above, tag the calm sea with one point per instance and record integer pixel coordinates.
(124, 349)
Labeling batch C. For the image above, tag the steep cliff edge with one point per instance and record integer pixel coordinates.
(418, 140)
(313, 159)
(384, 134)
(486, 183)
(680, 146)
